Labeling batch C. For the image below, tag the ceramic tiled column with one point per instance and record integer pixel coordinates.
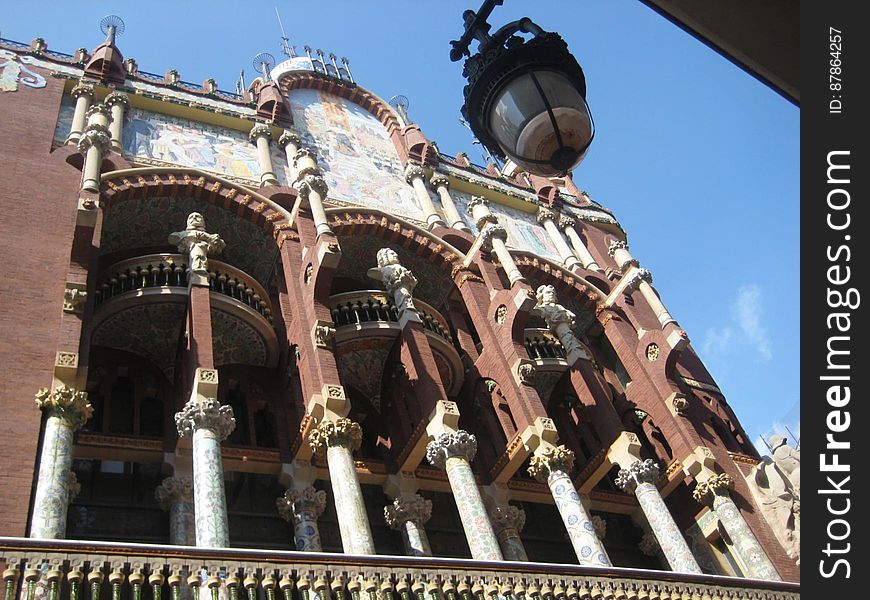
(409, 515)
(208, 423)
(551, 464)
(453, 452)
(302, 508)
(67, 410)
(338, 440)
(639, 478)
(714, 492)
(508, 521)
(175, 495)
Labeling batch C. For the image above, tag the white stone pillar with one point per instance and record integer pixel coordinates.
(414, 175)
(618, 251)
(547, 218)
(640, 279)
(311, 187)
(94, 143)
(175, 495)
(639, 478)
(494, 237)
(442, 188)
(67, 410)
(209, 424)
(507, 522)
(290, 143)
(260, 136)
(84, 96)
(302, 508)
(713, 492)
(408, 515)
(568, 225)
(551, 464)
(118, 103)
(338, 440)
(453, 452)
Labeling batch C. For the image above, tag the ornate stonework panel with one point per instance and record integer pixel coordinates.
(361, 364)
(357, 157)
(236, 342)
(147, 222)
(150, 330)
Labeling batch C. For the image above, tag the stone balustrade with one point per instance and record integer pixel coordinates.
(542, 344)
(62, 569)
(367, 306)
(171, 270)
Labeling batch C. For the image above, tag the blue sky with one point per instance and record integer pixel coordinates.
(698, 160)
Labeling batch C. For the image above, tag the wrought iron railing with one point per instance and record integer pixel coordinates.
(369, 306)
(170, 270)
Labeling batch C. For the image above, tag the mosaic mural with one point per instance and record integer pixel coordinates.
(64, 119)
(235, 342)
(523, 231)
(146, 223)
(356, 155)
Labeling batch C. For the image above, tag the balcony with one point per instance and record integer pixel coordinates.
(59, 569)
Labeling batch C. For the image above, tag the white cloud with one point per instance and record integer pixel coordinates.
(747, 311)
(793, 437)
(716, 341)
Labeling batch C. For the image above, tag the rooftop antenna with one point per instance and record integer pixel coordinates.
(400, 103)
(288, 50)
(112, 26)
(797, 440)
(264, 62)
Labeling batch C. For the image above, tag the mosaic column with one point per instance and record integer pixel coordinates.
(442, 188)
(547, 218)
(414, 176)
(641, 279)
(567, 224)
(94, 143)
(311, 186)
(209, 424)
(260, 136)
(303, 508)
(714, 493)
(339, 439)
(175, 494)
(67, 410)
(508, 521)
(551, 465)
(409, 515)
(118, 103)
(454, 452)
(640, 478)
(84, 95)
(494, 236)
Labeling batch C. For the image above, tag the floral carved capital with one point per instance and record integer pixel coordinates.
(416, 509)
(550, 460)
(706, 490)
(341, 432)
(307, 501)
(207, 414)
(67, 403)
(508, 517)
(640, 471)
(173, 490)
(457, 444)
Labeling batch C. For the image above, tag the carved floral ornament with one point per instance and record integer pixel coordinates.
(173, 490)
(652, 352)
(716, 485)
(554, 458)
(416, 509)
(508, 517)
(307, 501)
(339, 433)
(67, 403)
(205, 414)
(638, 472)
(456, 444)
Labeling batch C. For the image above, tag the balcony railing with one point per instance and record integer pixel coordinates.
(371, 306)
(170, 270)
(61, 569)
(540, 343)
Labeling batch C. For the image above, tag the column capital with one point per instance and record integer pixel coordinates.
(459, 444)
(439, 180)
(340, 432)
(174, 489)
(566, 222)
(117, 97)
(491, 232)
(259, 130)
(640, 471)
(717, 485)
(414, 171)
(83, 89)
(66, 403)
(414, 508)
(615, 245)
(205, 414)
(295, 502)
(311, 183)
(636, 277)
(95, 135)
(508, 517)
(545, 214)
(288, 137)
(550, 459)
(304, 153)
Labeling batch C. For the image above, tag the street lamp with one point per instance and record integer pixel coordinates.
(525, 99)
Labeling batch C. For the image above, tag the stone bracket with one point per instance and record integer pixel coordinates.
(86, 209)
(328, 254)
(66, 366)
(75, 296)
(678, 404)
(700, 464)
(322, 333)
